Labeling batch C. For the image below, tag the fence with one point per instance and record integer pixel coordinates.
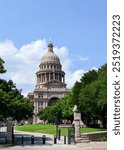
(71, 133)
(3, 132)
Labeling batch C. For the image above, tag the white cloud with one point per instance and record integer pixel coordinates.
(22, 63)
(7, 48)
(72, 77)
(65, 60)
(94, 68)
(83, 58)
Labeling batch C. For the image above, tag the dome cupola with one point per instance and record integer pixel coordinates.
(50, 47)
(50, 56)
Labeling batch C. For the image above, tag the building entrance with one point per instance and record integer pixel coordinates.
(52, 101)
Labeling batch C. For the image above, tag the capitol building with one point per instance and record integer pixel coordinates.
(50, 83)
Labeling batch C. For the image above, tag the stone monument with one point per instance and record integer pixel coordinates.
(76, 122)
(77, 113)
(9, 129)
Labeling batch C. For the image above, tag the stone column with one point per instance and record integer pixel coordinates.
(60, 77)
(45, 78)
(46, 104)
(37, 107)
(9, 130)
(76, 122)
(37, 78)
(49, 76)
(41, 77)
(63, 79)
(53, 75)
(77, 125)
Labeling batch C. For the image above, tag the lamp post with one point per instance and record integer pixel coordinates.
(26, 121)
(56, 123)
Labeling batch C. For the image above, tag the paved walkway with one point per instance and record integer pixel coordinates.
(89, 146)
(51, 146)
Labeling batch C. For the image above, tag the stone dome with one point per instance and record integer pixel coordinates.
(50, 57)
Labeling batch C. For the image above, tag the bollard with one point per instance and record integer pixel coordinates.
(12, 135)
(22, 140)
(55, 139)
(13, 140)
(59, 136)
(44, 139)
(69, 140)
(56, 131)
(32, 139)
(5, 140)
(64, 139)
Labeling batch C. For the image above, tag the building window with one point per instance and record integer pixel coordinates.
(40, 95)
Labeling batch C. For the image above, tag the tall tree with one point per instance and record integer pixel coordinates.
(12, 103)
(93, 97)
(89, 77)
(75, 93)
(102, 95)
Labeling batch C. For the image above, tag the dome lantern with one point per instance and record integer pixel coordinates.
(50, 47)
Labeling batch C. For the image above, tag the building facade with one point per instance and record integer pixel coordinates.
(50, 84)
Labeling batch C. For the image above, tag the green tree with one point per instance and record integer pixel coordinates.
(2, 70)
(12, 103)
(93, 97)
(67, 107)
(48, 114)
(75, 93)
(102, 95)
(89, 77)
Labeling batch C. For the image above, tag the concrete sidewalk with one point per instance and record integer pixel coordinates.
(82, 146)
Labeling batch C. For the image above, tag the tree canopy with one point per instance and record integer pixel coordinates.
(12, 103)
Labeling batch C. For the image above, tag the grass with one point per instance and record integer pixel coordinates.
(51, 129)
(87, 130)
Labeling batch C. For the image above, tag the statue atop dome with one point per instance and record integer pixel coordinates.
(50, 47)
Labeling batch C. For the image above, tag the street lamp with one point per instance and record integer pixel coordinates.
(56, 123)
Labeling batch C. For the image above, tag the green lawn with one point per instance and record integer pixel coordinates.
(51, 129)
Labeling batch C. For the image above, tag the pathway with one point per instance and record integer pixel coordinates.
(51, 146)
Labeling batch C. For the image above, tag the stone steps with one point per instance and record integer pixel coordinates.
(83, 139)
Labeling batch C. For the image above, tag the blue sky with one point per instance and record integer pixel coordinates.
(77, 28)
